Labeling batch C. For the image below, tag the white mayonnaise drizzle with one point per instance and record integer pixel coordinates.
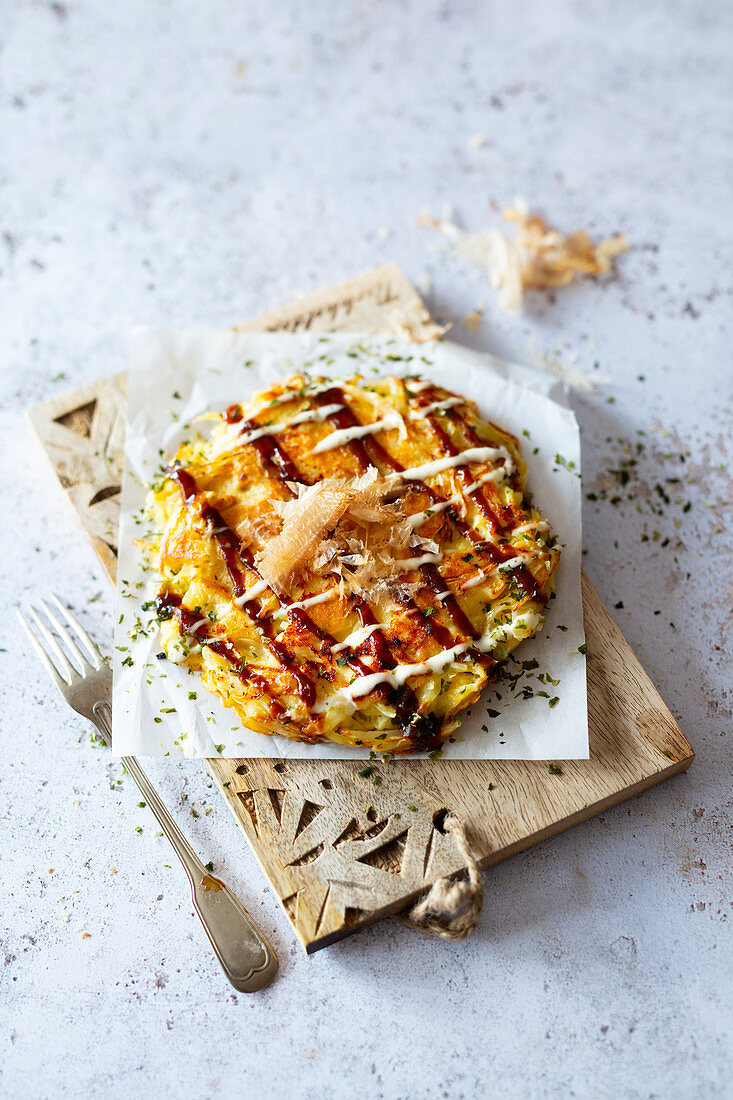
(477, 580)
(522, 624)
(351, 641)
(343, 436)
(417, 386)
(511, 563)
(499, 474)
(236, 439)
(500, 567)
(537, 525)
(251, 593)
(463, 458)
(448, 403)
(415, 563)
(419, 518)
(311, 601)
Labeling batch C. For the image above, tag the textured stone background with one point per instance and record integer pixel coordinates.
(182, 162)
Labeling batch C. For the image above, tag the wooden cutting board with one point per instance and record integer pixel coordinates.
(340, 849)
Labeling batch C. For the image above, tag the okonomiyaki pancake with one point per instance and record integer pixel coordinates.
(350, 561)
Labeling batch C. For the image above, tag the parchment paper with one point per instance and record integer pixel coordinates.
(176, 376)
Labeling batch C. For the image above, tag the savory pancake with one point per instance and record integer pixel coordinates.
(350, 561)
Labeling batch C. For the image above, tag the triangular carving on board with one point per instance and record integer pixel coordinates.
(389, 856)
(428, 853)
(309, 813)
(105, 494)
(277, 799)
(353, 831)
(352, 915)
(79, 420)
(290, 905)
(322, 914)
(247, 799)
(309, 857)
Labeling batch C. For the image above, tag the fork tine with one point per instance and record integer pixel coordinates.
(73, 649)
(68, 671)
(77, 657)
(44, 657)
(91, 647)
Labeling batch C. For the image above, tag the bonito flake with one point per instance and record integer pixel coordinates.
(538, 257)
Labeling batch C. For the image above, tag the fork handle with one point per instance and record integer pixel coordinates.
(241, 947)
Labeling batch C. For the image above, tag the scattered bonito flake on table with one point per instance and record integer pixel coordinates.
(539, 257)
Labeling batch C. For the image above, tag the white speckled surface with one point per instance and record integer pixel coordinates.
(184, 162)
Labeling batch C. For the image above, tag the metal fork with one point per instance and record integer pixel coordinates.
(85, 682)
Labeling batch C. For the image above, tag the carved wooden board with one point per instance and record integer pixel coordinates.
(340, 849)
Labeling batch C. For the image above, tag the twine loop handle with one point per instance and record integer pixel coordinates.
(452, 907)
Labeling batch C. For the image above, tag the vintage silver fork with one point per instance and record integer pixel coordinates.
(85, 681)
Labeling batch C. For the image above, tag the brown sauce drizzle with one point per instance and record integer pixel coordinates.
(230, 548)
(371, 452)
(169, 603)
(404, 699)
(226, 541)
(233, 552)
(495, 515)
(342, 419)
(303, 619)
(368, 451)
(272, 455)
(437, 584)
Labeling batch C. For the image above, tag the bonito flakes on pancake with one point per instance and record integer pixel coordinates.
(352, 561)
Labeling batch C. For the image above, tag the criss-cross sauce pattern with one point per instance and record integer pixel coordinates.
(318, 665)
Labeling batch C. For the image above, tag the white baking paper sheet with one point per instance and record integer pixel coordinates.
(176, 376)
